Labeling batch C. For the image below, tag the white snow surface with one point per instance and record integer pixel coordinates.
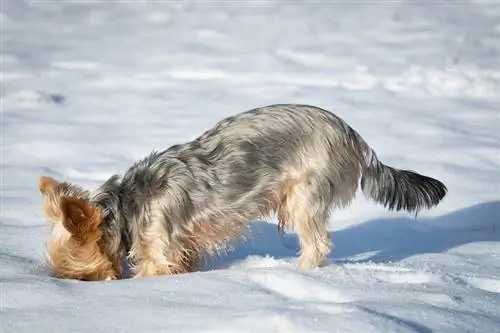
(89, 87)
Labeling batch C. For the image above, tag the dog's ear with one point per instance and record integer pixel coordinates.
(47, 183)
(80, 218)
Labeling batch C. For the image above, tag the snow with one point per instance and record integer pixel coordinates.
(88, 87)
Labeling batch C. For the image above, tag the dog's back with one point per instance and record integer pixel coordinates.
(243, 156)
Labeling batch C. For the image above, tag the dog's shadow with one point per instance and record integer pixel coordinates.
(378, 240)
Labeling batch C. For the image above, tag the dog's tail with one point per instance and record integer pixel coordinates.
(397, 189)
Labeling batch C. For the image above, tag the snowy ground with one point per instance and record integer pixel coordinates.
(89, 87)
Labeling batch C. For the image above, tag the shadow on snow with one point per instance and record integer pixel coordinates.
(378, 240)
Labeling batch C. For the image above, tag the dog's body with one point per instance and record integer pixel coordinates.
(173, 207)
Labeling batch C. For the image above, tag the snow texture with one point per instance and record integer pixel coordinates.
(88, 87)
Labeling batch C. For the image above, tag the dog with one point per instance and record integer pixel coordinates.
(174, 207)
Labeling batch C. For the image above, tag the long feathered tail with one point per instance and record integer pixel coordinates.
(397, 189)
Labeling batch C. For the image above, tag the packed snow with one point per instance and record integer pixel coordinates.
(89, 87)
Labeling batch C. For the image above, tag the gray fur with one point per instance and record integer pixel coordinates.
(235, 172)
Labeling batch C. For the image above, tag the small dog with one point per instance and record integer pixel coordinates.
(174, 207)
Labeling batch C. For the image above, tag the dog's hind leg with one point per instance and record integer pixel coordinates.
(306, 207)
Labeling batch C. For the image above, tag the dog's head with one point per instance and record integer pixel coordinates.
(74, 248)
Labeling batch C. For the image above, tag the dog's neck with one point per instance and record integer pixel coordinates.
(115, 237)
(123, 199)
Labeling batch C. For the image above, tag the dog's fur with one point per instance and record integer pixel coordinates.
(174, 207)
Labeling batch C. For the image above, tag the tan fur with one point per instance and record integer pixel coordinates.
(47, 184)
(161, 256)
(151, 254)
(286, 193)
(74, 247)
(50, 207)
(52, 191)
(314, 242)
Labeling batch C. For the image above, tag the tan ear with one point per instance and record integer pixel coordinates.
(80, 218)
(47, 183)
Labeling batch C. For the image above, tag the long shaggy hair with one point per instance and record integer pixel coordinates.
(169, 210)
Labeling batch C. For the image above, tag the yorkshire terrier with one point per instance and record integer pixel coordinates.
(174, 207)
